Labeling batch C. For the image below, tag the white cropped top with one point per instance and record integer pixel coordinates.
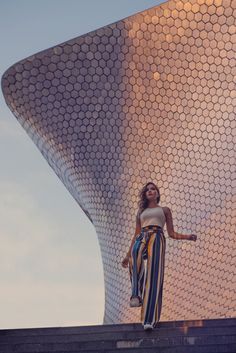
(153, 215)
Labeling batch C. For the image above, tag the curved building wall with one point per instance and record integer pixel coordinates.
(150, 97)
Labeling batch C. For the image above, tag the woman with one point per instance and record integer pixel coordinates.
(149, 243)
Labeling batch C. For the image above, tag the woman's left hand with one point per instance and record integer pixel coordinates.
(192, 237)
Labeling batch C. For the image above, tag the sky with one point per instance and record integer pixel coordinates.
(50, 264)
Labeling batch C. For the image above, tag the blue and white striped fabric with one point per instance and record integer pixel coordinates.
(147, 283)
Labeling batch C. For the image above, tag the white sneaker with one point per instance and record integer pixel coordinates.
(135, 302)
(148, 327)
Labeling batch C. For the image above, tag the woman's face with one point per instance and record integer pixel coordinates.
(151, 192)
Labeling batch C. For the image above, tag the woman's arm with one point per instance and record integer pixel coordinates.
(170, 227)
(137, 231)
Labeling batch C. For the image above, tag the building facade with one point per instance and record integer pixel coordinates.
(148, 98)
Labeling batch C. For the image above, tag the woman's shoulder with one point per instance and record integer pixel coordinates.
(139, 211)
(167, 213)
(166, 209)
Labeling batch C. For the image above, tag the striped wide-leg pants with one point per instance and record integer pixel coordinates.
(147, 281)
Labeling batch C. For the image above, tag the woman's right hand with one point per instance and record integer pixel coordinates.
(125, 262)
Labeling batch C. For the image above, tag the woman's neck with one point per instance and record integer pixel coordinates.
(152, 204)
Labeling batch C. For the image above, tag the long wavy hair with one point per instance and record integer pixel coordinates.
(143, 201)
